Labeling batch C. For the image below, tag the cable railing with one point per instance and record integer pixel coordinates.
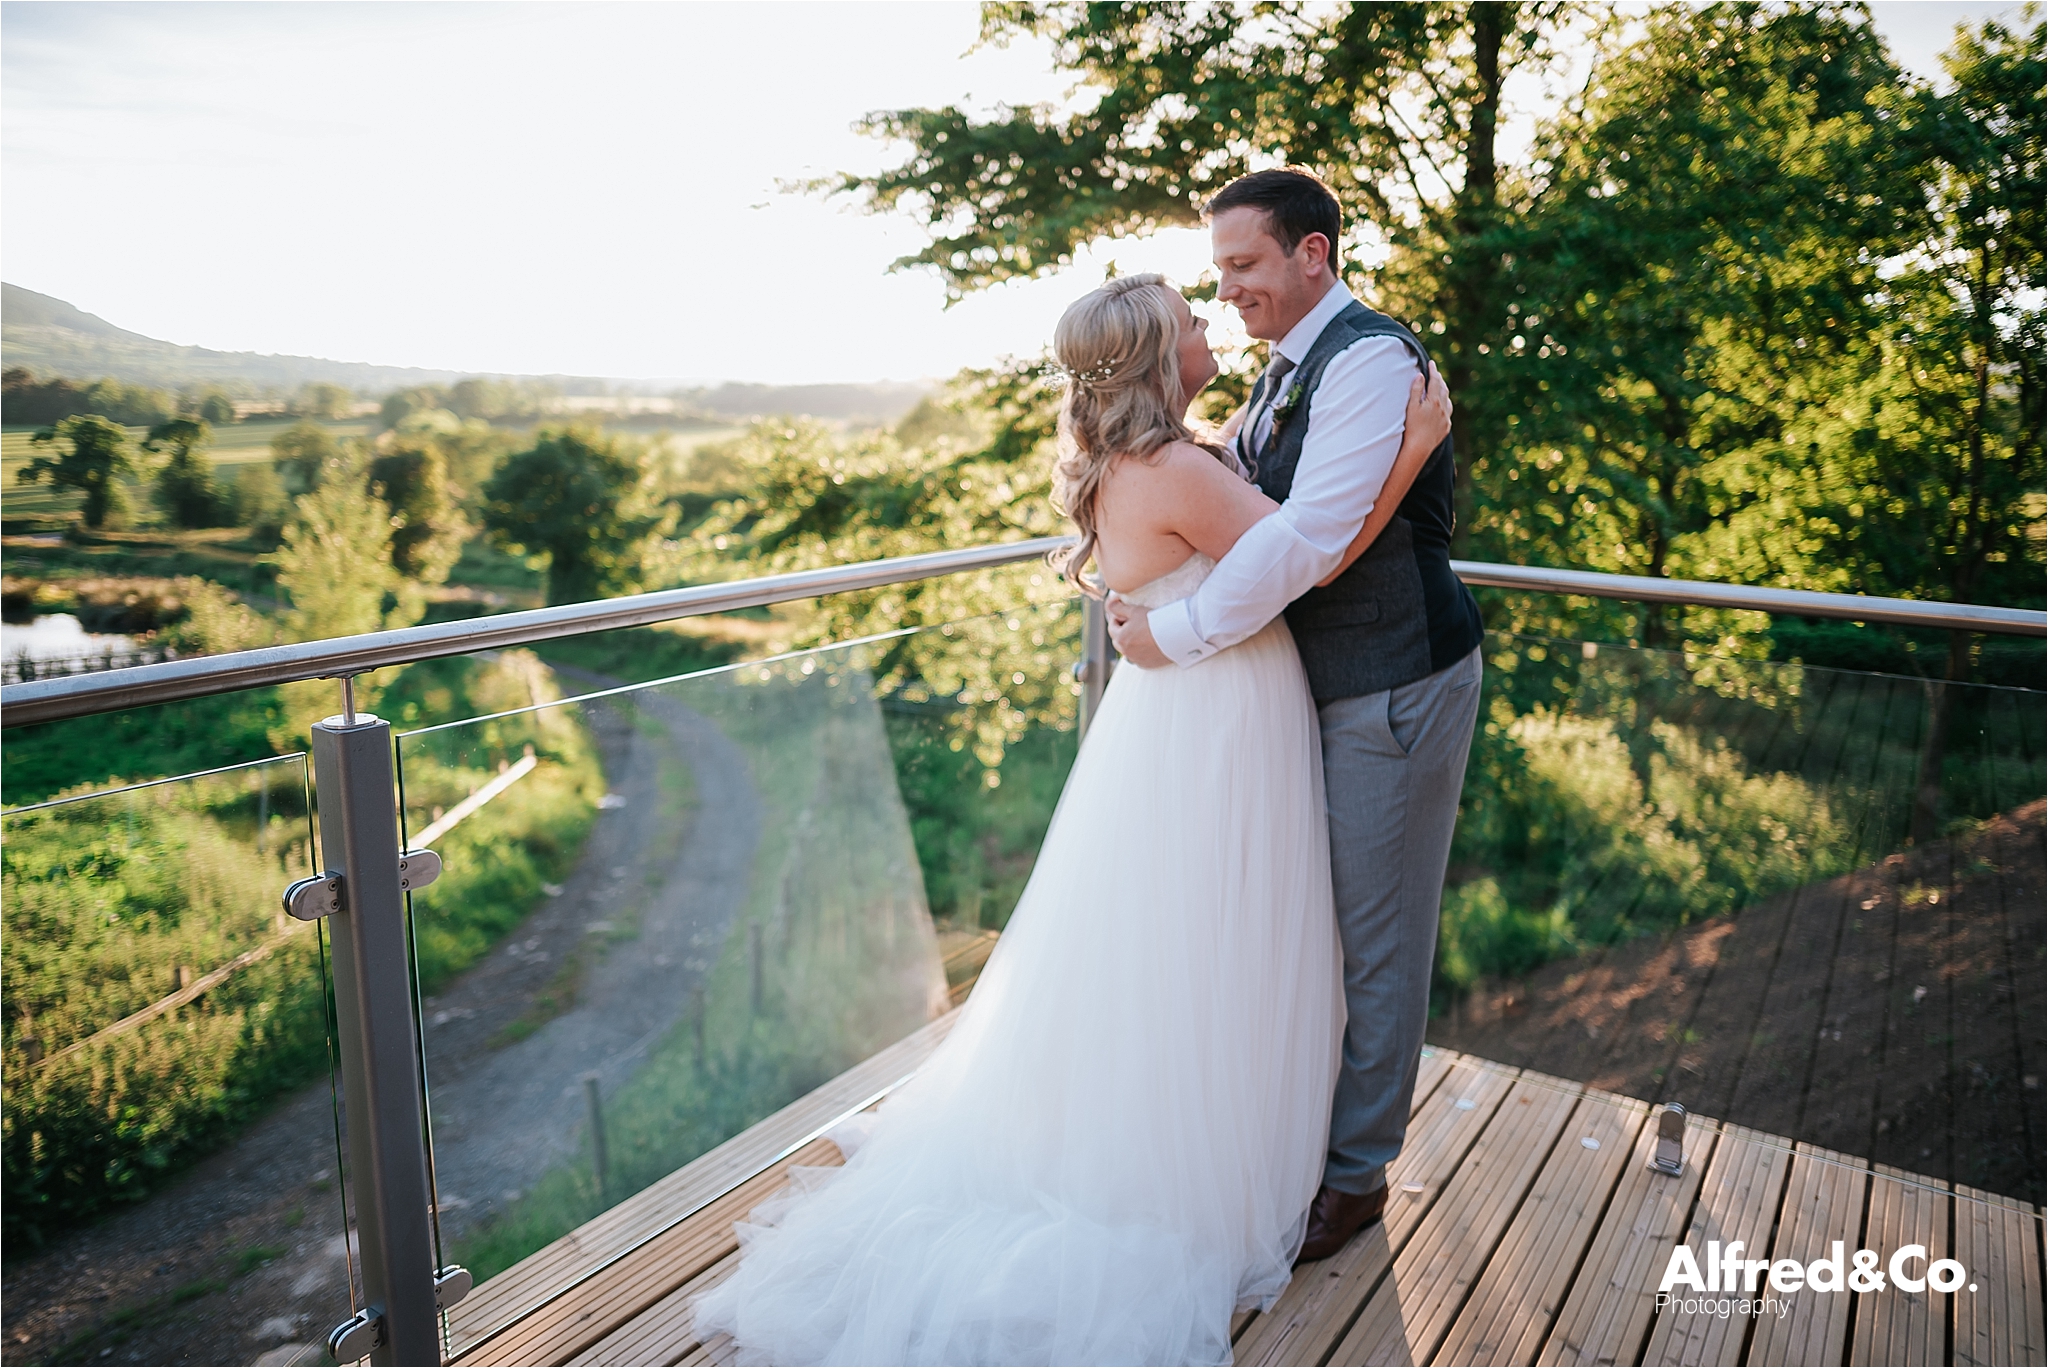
(1763, 778)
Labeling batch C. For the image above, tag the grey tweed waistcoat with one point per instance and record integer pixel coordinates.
(1398, 614)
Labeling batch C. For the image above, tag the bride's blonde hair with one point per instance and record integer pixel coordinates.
(1120, 349)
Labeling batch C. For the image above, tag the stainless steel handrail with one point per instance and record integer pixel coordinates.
(49, 700)
(1790, 602)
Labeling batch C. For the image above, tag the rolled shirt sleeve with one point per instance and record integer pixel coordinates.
(1355, 420)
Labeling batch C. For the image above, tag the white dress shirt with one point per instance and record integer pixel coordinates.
(1355, 420)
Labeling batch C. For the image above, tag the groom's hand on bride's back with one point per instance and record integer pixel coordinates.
(1130, 631)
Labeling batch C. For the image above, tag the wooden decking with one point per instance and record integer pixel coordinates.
(1524, 1227)
(1894, 1011)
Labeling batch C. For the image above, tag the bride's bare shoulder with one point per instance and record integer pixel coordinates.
(1173, 463)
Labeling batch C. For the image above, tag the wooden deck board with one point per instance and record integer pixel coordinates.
(1822, 1217)
(1998, 1240)
(1405, 1320)
(1614, 1296)
(1518, 1296)
(1312, 1315)
(1739, 1199)
(665, 1332)
(597, 1307)
(1894, 1325)
(1507, 1240)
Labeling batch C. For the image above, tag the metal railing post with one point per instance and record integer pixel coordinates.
(1098, 658)
(352, 769)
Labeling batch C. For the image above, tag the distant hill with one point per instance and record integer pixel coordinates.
(51, 337)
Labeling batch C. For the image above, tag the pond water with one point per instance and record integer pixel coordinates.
(57, 636)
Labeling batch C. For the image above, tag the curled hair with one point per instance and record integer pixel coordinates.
(1119, 347)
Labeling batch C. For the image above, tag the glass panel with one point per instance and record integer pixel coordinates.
(684, 904)
(1796, 899)
(173, 1191)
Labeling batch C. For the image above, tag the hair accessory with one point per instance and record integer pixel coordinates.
(1094, 375)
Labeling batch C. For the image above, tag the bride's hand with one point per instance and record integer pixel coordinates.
(1429, 414)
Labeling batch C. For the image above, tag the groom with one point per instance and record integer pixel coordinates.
(1391, 646)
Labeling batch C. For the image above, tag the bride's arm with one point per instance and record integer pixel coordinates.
(1429, 420)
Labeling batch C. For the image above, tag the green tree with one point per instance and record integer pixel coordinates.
(215, 406)
(1395, 105)
(301, 455)
(982, 475)
(95, 460)
(335, 566)
(184, 485)
(481, 398)
(128, 405)
(321, 400)
(411, 475)
(1697, 283)
(578, 502)
(402, 404)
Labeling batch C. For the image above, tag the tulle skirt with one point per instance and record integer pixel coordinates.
(1117, 1145)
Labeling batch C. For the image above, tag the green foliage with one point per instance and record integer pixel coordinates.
(184, 483)
(256, 499)
(321, 400)
(97, 458)
(301, 454)
(112, 904)
(402, 404)
(976, 843)
(1757, 306)
(578, 500)
(470, 448)
(818, 498)
(173, 738)
(336, 566)
(336, 561)
(1614, 793)
(24, 399)
(213, 406)
(1749, 343)
(411, 475)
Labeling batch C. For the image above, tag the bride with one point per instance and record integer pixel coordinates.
(1116, 1147)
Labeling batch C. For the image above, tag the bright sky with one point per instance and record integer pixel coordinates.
(582, 188)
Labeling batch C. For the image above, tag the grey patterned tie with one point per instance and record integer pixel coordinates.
(1267, 393)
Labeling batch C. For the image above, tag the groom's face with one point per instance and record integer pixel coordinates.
(1270, 288)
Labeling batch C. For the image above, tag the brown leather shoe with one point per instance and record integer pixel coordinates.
(1334, 1217)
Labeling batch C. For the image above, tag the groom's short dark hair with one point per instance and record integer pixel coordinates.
(1295, 202)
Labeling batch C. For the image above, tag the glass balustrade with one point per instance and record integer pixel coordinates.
(1805, 901)
(669, 909)
(174, 1189)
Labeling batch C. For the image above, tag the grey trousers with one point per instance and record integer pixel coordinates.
(1394, 765)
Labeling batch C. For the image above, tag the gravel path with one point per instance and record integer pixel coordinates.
(504, 1117)
(243, 1259)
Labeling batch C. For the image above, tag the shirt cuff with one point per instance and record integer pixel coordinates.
(1173, 632)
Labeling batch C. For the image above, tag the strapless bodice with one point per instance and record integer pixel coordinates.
(1174, 585)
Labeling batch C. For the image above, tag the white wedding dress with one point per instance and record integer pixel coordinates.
(1117, 1145)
